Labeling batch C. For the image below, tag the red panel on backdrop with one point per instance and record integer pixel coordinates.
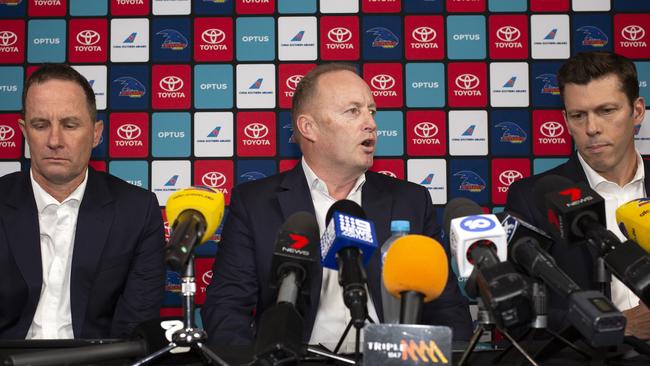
(12, 41)
(504, 173)
(424, 37)
(426, 133)
(216, 174)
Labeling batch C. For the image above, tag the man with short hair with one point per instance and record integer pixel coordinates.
(333, 118)
(602, 109)
(81, 252)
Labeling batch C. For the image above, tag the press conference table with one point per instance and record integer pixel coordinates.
(242, 355)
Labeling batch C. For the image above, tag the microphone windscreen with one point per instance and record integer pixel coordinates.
(301, 222)
(546, 185)
(459, 207)
(347, 207)
(416, 263)
(633, 219)
(208, 201)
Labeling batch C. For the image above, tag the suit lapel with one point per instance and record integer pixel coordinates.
(93, 226)
(294, 196)
(22, 230)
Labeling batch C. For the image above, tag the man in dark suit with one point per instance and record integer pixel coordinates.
(333, 118)
(81, 252)
(602, 108)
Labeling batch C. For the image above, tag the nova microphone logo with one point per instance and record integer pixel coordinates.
(383, 85)
(172, 181)
(633, 35)
(257, 84)
(213, 179)
(131, 87)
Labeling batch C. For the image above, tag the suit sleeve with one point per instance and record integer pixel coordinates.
(451, 308)
(518, 203)
(232, 295)
(145, 285)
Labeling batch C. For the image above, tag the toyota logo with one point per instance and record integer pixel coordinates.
(88, 37)
(256, 131)
(7, 38)
(551, 129)
(6, 133)
(388, 173)
(424, 34)
(339, 35)
(467, 81)
(213, 36)
(509, 176)
(633, 32)
(425, 130)
(128, 131)
(207, 277)
(382, 82)
(293, 80)
(508, 33)
(213, 179)
(171, 83)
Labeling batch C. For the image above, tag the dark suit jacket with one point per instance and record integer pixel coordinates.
(239, 292)
(118, 272)
(576, 259)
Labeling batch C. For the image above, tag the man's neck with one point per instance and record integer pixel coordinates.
(59, 191)
(338, 183)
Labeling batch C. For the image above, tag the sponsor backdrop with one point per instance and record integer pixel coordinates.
(199, 91)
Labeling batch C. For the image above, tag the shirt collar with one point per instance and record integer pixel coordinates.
(316, 183)
(595, 179)
(44, 199)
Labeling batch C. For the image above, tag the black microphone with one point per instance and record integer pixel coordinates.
(578, 213)
(348, 241)
(279, 335)
(475, 240)
(590, 312)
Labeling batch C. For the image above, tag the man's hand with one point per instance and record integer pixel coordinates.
(638, 321)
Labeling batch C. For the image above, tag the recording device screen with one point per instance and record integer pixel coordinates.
(601, 305)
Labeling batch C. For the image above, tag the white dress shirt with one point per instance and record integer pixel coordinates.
(616, 196)
(332, 316)
(57, 223)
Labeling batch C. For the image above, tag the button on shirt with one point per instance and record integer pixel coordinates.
(616, 196)
(57, 224)
(332, 316)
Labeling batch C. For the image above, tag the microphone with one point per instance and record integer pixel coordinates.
(478, 243)
(633, 222)
(590, 312)
(415, 271)
(580, 213)
(196, 213)
(296, 250)
(349, 240)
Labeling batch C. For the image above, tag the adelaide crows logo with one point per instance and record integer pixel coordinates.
(470, 181)
(131, 87)
(593, 36)
(174, 40)
(550, 84)
(511, 133)
(384, 38)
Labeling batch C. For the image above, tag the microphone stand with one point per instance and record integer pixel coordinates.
(357, 341)
(190, 336)
(540, 323)
(486, 323)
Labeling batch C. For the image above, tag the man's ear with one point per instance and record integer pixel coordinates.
(306, 126)
(23, 125)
